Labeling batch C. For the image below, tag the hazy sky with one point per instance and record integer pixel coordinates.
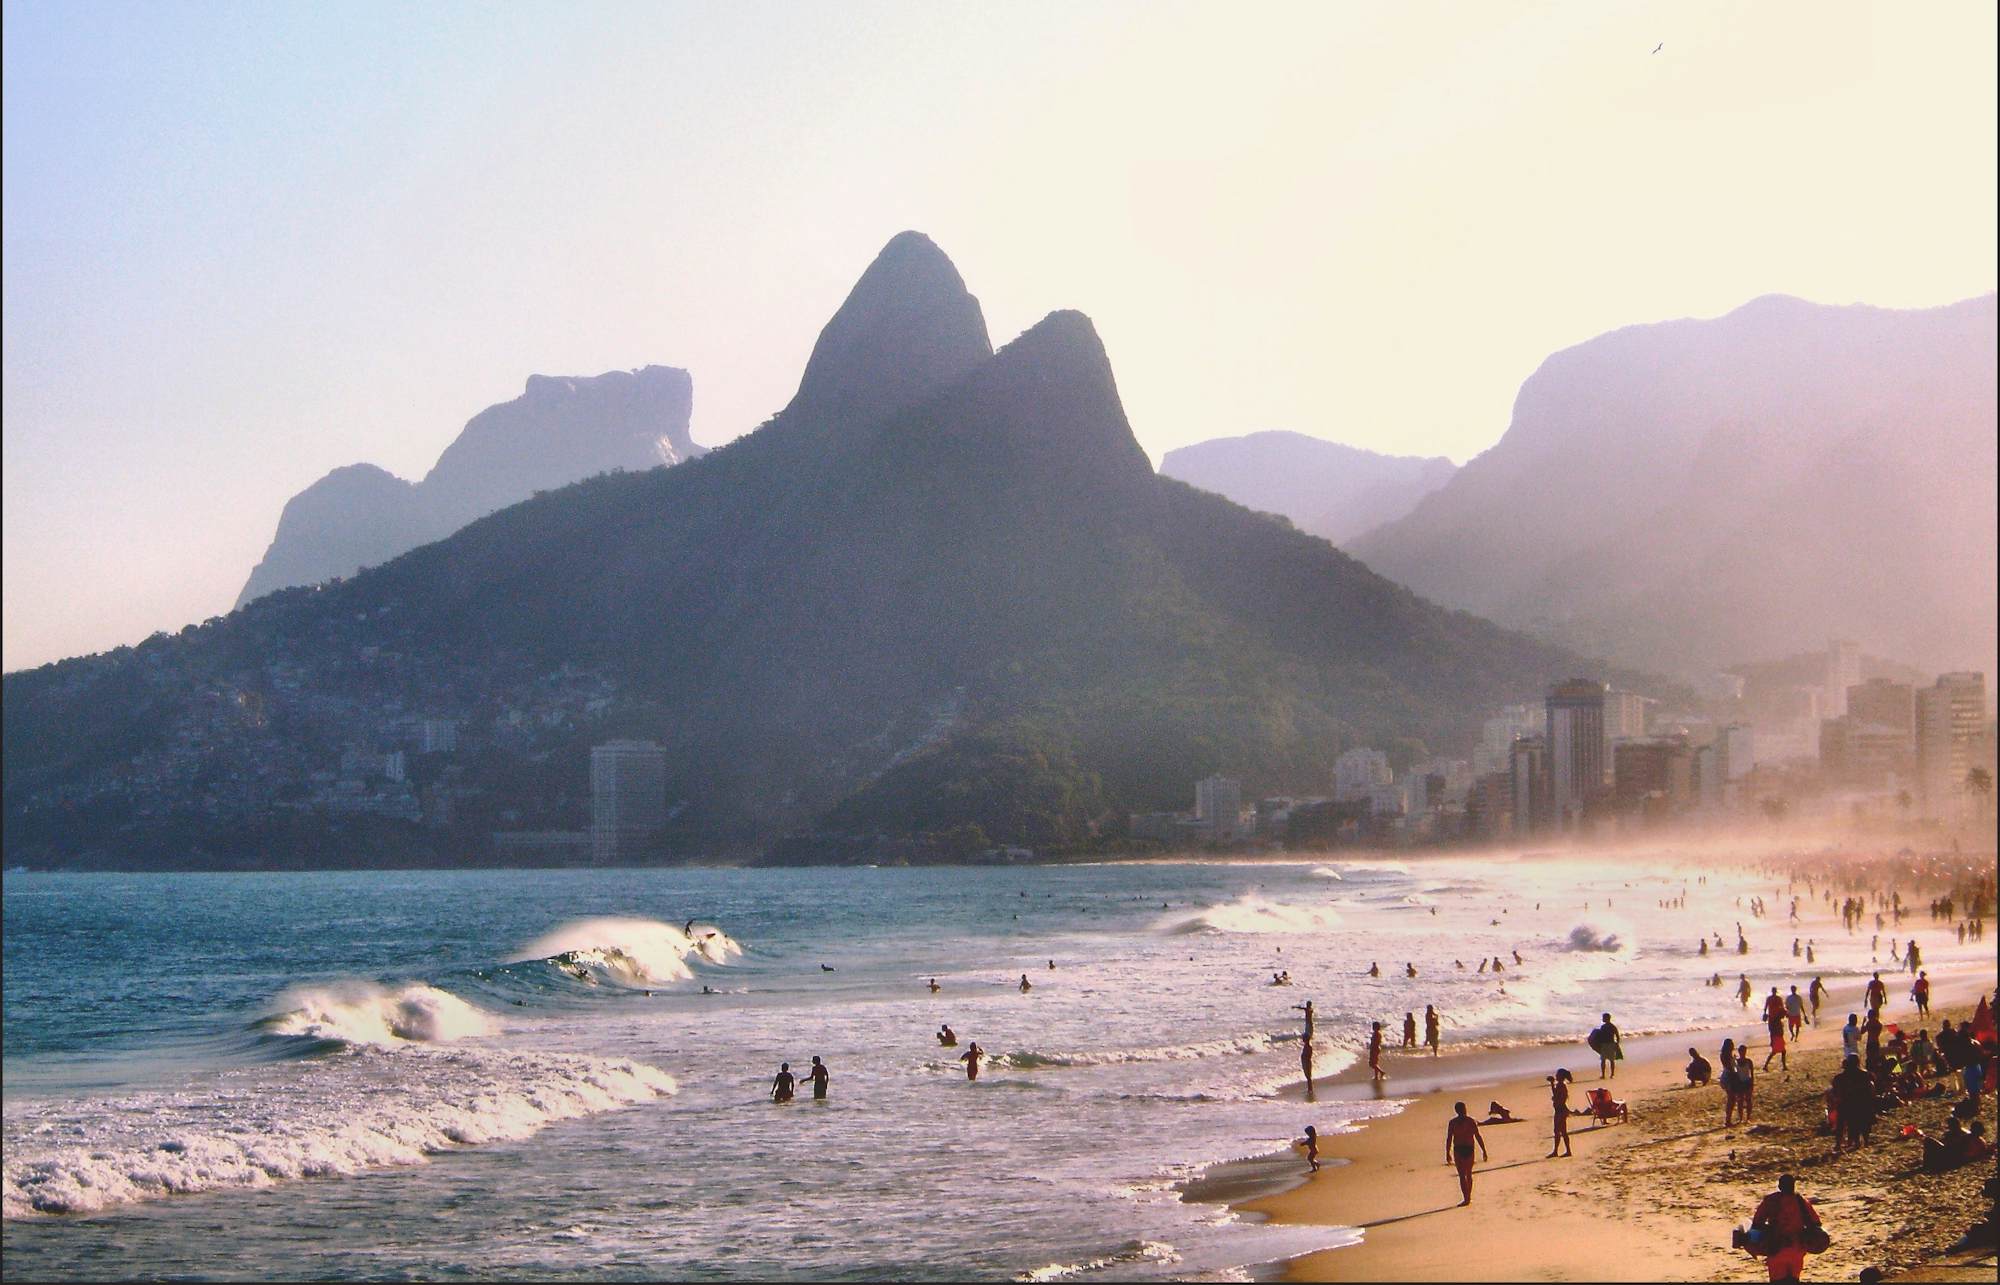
(248, 244)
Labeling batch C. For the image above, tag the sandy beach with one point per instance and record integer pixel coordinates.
(1651, 1199)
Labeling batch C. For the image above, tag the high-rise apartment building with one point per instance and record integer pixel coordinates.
(1884, 703)
(628, 798)
(1624, 720)
(1576, 748)
(1218, 805)
(1359, 771)
(1528, 774)
(1950, 718)
(1843, 670)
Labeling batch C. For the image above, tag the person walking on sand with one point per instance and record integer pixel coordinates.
(1816, 992)
(1559, 1103)
(1746, 1083)
(1776, 1028)
(1375, 1052)
(817, 1075)
(1795, 1011)
(1850, 1036)
(783, 1086)
(1312, 1148)
(1431, 1028)
(1878, 991)
(1459, 1137)
(1604, 1041)
(1409, 1030)
(1787, 1220)
(1920, 992)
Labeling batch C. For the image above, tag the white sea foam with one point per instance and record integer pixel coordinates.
(631, 952)
(364, 1013)
(1325, 872)
(1136, 1251)
(367, 1108)
(1603, 938)
(1253, 914)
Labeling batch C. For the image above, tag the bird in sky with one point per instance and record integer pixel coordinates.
(1660, 46)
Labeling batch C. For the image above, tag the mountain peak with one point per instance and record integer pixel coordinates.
(908, 328)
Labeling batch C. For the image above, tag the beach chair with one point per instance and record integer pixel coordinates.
(1605, 1107)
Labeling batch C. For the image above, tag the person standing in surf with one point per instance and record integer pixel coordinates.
(1431, 1028)
(1375, 1052)
(1409, 1030)
(783, 1086)
(971, 1059)
(817, 1076)
(1460, 1134)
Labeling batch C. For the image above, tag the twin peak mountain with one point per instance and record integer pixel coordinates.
(940, 600)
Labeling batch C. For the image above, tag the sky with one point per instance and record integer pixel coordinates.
(247, 244)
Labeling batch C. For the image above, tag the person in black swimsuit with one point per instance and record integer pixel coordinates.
(1460, 1135)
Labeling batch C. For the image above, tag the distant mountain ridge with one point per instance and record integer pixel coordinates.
(559, 430)
(1688, 493)
(1327, 489)
(941, 600)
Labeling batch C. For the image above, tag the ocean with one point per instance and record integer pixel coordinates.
(553, 1074)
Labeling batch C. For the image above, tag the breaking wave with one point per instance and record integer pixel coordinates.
(1253, 914)
(1325, 872)
(631, 952)
(340, 1115)
(357, 1013)
(1592, 938)
(1034, 1059)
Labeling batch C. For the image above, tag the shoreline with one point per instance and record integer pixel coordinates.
(1385, 1179)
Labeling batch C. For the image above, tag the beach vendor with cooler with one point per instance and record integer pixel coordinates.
(1783, 1231)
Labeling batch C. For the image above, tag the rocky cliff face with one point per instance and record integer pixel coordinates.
(1692, 493)
(560, 430)
(1329, 490)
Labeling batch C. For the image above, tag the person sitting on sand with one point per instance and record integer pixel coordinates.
(1698, 1070)
(783, 1085)
(1783, 1217)
(1409, 1030)
(1431, 1023)
(1460, 1134)
(1312, 1148)
(1497, 1114)
(1559, 1103)
(947, 1037)
(971, 1058)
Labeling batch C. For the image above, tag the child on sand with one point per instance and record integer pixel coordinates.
(1312, 1148)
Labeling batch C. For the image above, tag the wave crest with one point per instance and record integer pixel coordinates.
(364, 1013)
(631, 952)
(1594, 939)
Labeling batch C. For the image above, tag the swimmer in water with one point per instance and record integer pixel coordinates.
(935, 988)
(1026, 985)
(1374, 969)
(1409, 970)
(947, 1037)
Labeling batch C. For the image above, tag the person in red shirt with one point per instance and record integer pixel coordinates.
(1784, 1216)
(1460, 1135)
